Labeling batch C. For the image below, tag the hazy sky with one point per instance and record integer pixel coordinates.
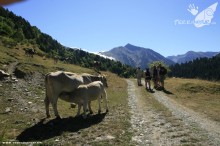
(100, 25)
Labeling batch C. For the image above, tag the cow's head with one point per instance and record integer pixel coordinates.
(104, 80)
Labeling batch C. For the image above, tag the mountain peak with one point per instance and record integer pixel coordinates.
(190, 52)
(128, 45)
(132, 47)
(136, 56)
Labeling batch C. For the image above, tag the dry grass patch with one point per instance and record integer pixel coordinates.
(35, 64)
(200, 95)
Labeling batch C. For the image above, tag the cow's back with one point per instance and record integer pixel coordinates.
(58, 82)
(95, 90)
(90, 91)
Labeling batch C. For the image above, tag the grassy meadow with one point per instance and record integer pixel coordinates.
(200, 95)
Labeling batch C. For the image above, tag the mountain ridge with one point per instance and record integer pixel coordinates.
(191, 55)
(141, 57)
(136, 56)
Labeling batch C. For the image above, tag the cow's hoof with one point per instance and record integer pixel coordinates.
(99, 112)
(107, 111)
(91, 112)
(48, 116)
(58, 117)
(77, 115)
(72, 105)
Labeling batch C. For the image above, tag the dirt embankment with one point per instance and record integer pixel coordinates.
(155, 127)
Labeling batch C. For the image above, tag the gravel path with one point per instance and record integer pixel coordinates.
(191, 118)
(183, 127)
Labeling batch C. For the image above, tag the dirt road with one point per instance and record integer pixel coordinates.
(182, 127)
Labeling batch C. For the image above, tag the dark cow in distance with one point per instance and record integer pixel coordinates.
(29, 52)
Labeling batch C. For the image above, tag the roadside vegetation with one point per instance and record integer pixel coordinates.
(200, 95)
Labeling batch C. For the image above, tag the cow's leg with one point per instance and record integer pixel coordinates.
(85, 103)
(90, 109)
(47, 102)
(99, 101)
(54, 104)
(106, 102)
(79, 108)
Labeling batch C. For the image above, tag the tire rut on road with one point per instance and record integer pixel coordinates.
(190, 117)
(154, 128)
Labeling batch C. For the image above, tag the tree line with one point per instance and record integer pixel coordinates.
(15, 29)
(202, 68)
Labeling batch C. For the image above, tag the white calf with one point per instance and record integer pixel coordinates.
(84, 94)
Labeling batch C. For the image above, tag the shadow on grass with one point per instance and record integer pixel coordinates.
(55, 127)
(164, 90)
(150, 90)
(167, 92)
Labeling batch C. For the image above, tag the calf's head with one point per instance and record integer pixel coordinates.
(104, 80)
